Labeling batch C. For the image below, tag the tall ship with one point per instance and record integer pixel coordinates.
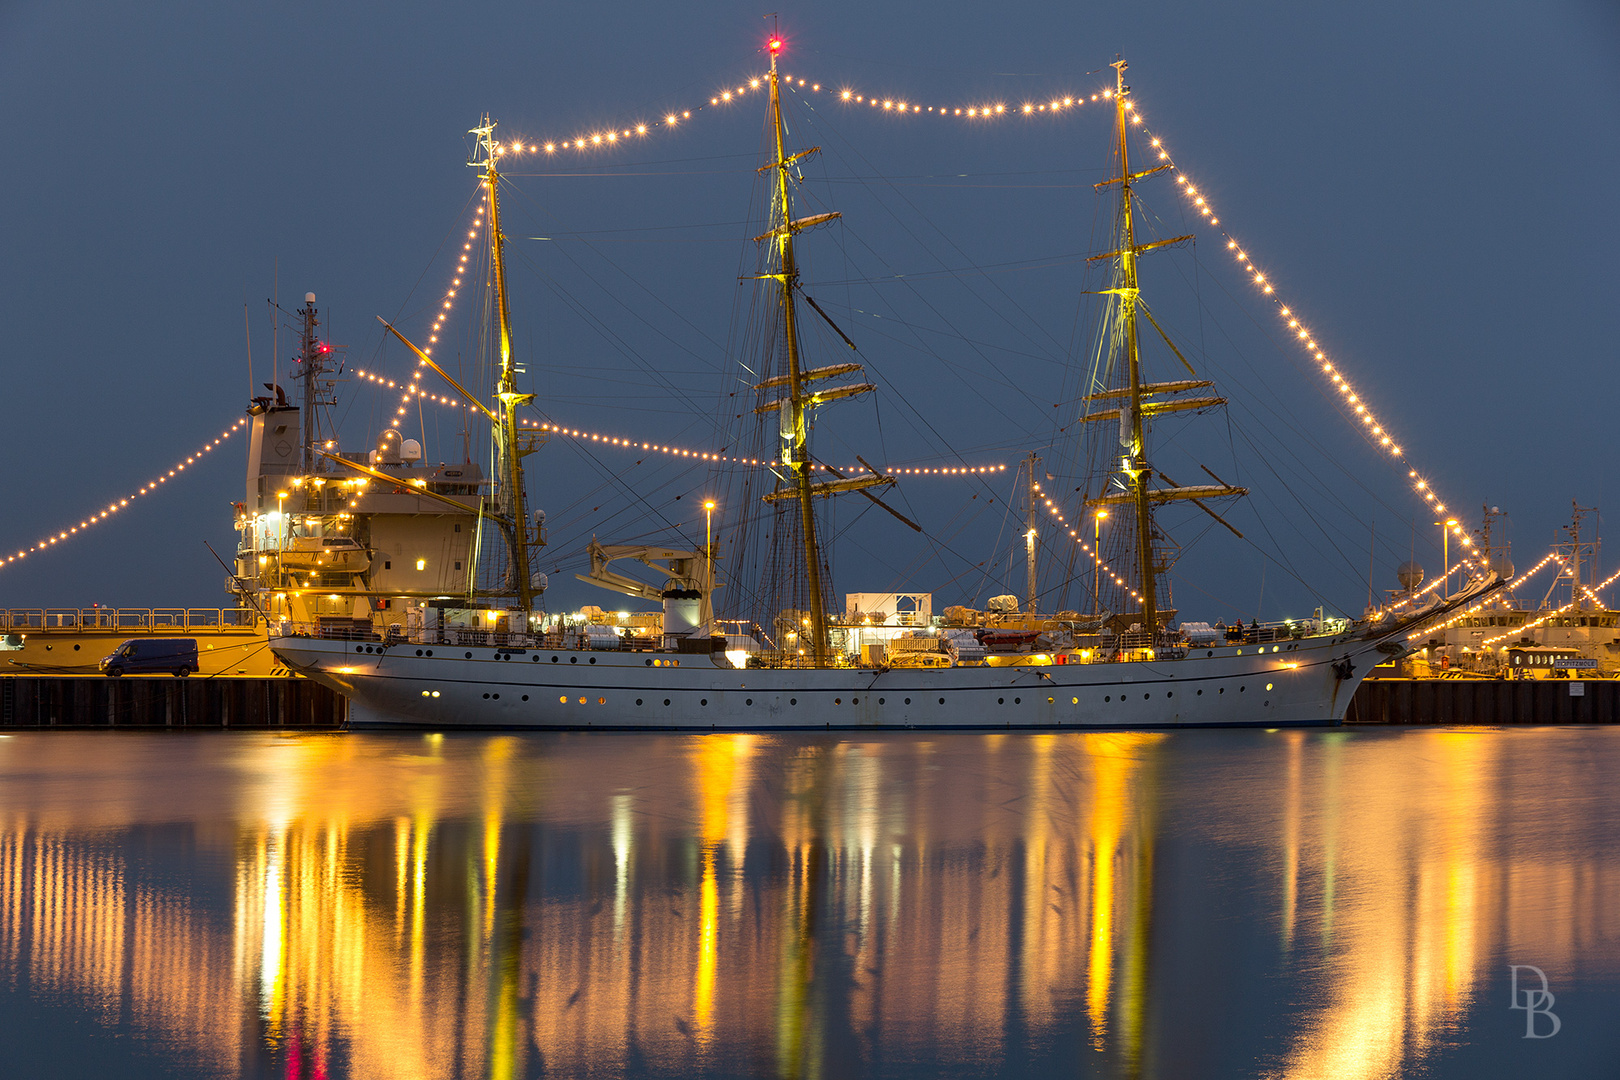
(415, 590)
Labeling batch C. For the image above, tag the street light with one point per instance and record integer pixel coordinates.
(708, 556)
(1445, 555)
(1096, 557)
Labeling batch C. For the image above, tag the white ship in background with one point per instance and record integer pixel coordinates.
(413, 590)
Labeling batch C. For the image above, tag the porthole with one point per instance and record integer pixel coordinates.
(1209, 652)
(1074, 701)
(666, 701)
(563, 699)
(838, 701)
(1200, 693)
(748, 701)
(1268, 686)
(854, 701)
(1169, 693)
(793, 701)
(1146, 696)
(908, 701)
(1001, 701)
(535, 658)
(525, 697)
(703, 701)
(582, 701)
(1241, 689)
(593, 659)
(554, 659)
(573, 659)
(1107, 698)
(638, 701)
(649, 663)
(942, 701)
(430, 652)
(497, 697)
(599, 701)
(418, 652)
(486, 697)
(880, 701)
(1222, 690)
(76, 648)
(359, 648)
(1050, 700)
(469, 656)
(1018, 701)
(1240, 652)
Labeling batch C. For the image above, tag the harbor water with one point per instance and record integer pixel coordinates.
(1371, 902)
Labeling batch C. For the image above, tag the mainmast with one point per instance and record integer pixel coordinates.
(1133, 464)
(794, 410)
(509, 454)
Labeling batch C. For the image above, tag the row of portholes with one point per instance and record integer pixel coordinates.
(1261, 651)
(1170, 694)
(582, 701)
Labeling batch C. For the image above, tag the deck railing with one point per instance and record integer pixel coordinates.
(79, 620)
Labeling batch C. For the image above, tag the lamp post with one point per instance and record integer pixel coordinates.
(708, 561)
(1445, 555)
(1096, 558)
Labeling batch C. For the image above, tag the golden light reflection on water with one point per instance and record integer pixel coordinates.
(478, 906)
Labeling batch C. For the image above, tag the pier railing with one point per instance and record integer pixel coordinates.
(80, 620)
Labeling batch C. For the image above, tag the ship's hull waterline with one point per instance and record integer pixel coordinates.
(1300, 682)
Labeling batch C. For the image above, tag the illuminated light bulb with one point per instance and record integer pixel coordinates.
(551, 148)
(670, 119)
(641, 129)
(845, 95)
(1029, 108)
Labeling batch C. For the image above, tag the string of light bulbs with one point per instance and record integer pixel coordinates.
(622, 443)
(1461, 615)
(114, 507)
(894, 105)
(1074, 534)
(1590, 595)
(408, 389)
(1374, 428)
(1527, 627)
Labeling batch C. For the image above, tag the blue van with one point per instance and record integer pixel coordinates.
(145, 656)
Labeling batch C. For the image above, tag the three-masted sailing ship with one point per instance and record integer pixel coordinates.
(509, 674)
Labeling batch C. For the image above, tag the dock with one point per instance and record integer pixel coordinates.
(1485, 701)
(162, 701)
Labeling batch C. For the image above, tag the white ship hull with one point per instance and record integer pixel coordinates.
(448, 686)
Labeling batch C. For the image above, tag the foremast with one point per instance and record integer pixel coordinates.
(794, 410)
(508, 450)
(1135, 405)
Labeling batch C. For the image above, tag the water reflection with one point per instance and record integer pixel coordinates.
(1113, 904)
